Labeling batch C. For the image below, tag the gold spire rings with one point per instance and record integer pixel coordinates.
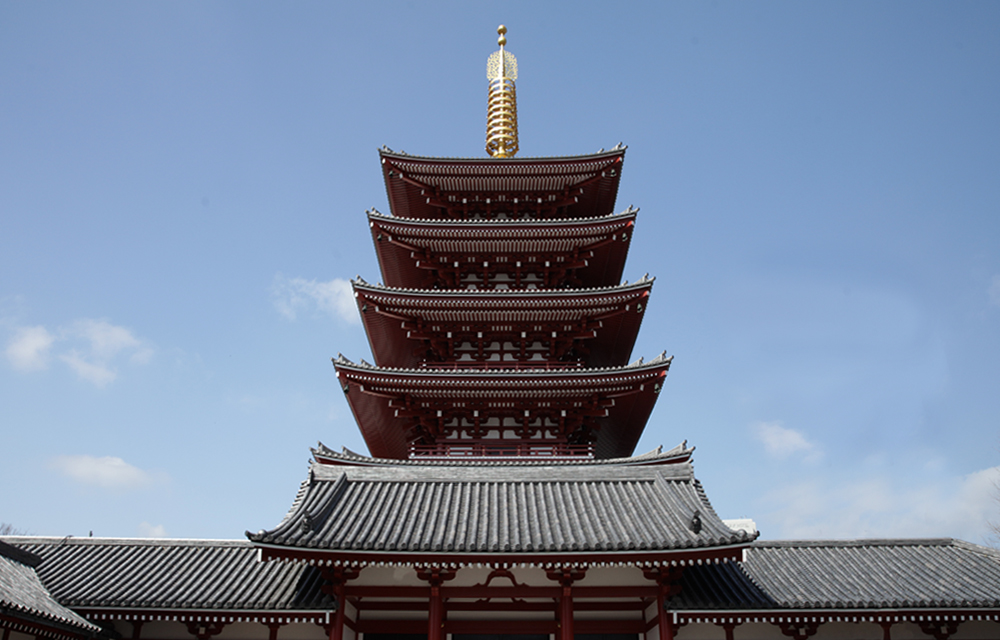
(501, 115)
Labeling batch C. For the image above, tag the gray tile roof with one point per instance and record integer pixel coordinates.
(497, 510)
(225, 575)
(171, 574)
(857, 574)
(23, 596)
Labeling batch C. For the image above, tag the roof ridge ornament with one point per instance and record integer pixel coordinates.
(501, 114)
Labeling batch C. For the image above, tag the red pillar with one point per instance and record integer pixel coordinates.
(566, 576)
(435, 619)
(663, 620)
(337, 628)
(566, 614)
(435, 576)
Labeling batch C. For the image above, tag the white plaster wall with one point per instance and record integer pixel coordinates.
(649, 614)
(613, 577)
(160, 630)
(17, 635)
(972, 630)
(850, 630)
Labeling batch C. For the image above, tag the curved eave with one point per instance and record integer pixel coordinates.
(544, 559)
(398, 240)
(505, 377)
(417, 181)
(324, 455)
(458, 161)
(389, 316)
(371, 391)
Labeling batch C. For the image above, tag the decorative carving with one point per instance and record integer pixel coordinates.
(940, 630)
(205, 630)
(435, 575)
(799, 630)
(566, 576)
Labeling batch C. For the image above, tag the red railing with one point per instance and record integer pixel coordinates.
(513, 450)
(529, 365)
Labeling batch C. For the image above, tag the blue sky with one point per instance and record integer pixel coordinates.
(182, 196)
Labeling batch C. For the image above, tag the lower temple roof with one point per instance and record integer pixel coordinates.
(918, 574)
(848, 574)
(501, 510)
(171, 574)
(25, 599)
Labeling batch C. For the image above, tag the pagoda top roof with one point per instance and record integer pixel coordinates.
(324, 455)
(561, 511)
(574, 186)
(618, 149)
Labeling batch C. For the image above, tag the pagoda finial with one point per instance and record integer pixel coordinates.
(501, 117)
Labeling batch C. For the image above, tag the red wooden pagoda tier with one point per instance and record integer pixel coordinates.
(467, 188)
(409, 412)
(501, 328)
(587, 252)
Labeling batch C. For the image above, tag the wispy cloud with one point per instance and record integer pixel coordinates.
(29, 349)
(107, 472)
(994, 290)
(147, 530)
(880, 506)
(92, 349)
(292, 296)
(97, 374)
(781, 442)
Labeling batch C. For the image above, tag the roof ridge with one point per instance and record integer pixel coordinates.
(19, 555)
(858, 542)
(114, 541)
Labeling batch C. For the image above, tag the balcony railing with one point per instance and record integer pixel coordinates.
(491, 451)
(504, 365)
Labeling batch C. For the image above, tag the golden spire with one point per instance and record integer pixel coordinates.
(501, 117)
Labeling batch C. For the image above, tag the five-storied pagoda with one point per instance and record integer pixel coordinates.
(501, 499)
(501, 412)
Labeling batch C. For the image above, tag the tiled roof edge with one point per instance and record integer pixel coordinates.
(153, 542)
(862, 542)
(19, 555)
(680, 453)
(640, 364)
(618, 149)
(631, 211)
(73, 626)
(645, 280)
